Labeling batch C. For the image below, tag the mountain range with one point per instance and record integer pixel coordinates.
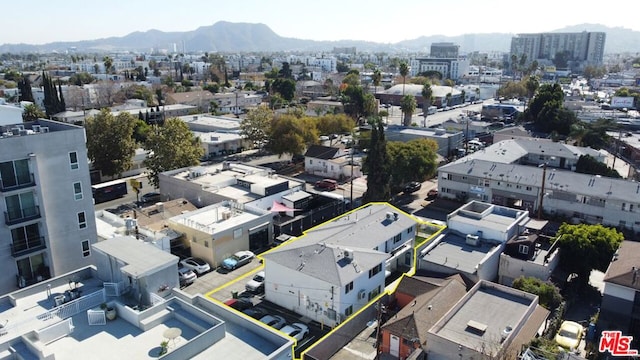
(247, 37)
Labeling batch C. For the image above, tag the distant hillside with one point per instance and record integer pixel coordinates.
(244, 37)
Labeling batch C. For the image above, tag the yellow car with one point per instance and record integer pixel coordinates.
(569, 335)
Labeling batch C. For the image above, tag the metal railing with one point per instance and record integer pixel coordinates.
(13, 217)
(73, 307)
(18, 185)
(27, 246)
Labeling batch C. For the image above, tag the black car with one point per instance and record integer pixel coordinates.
(412, 187)
(151, 197)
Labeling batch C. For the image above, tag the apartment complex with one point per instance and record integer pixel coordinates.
(583, 48)
(45, 196)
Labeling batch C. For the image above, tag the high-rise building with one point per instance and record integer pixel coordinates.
(46, 199)
(444, 59)
(580, 49)
(444, 50)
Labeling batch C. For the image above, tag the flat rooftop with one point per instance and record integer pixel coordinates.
(490, 307)
(207, 330)
(216, 218)
(453, 252)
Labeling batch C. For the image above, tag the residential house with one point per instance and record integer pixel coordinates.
(201, 99)
(422, 302)
(448, 140)
(329, 273)
(217, 231)
(619, 309)
(221, 143)
(393, 95)
(491, 321)
(236, 102)
(475, 237)
(45, 195)
(529, 255)
(329, 162)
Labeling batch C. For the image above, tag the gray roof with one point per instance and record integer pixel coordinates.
(364, 228)
(327, 262)
(416, 90)
(141, 259)
(557, 180)
(453, 252)
(510, 151)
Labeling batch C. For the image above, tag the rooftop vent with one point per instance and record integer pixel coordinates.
(348, 254)
(476, 327)
(505, 333)
(473, 240)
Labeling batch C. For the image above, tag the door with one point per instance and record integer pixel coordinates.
(394, 346)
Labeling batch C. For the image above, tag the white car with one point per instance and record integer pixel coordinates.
(275, 321)
(199, 266)
(296, 330)
(256, 285)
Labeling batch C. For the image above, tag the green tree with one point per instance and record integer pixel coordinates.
(291, 135)
(589, 165)
(427, 96)
(408, 106)
(334, 124)
(255, 127)
(108, 63)
(377, 165)
(404, 71)
(587, 247)
(376, 78)
(414, 160)
(369, 105)
(285, 87)
(548, 294)
(24, 85)
(546, 110)
(141, 130)
(110, 145)
(170, 147)
(32, 112)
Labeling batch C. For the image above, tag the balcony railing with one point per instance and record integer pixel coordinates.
(25, 183)
(17, 216)
(24, 247)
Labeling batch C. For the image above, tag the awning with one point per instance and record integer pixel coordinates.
(277, 207)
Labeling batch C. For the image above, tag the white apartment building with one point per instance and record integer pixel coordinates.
(46, 199)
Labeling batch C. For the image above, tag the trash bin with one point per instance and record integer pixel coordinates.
(234, 294)
(591, 332)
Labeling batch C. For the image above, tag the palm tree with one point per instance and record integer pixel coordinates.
(427, 95)
(376, 78)
(408, 105)
(108, 62)
(32, 112)
(404, 71)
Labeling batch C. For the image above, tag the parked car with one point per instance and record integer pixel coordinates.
(327, 184)
(186, 276)
(152, 197)
(256, 285)
(296, 330)
(275, 321)
(196, 264)
(238, 259)
(432, 194)
(323, 138)
(412, 187)
(255, 312)
(569, 335)
(241, 304)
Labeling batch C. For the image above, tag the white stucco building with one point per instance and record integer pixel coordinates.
(46, 199)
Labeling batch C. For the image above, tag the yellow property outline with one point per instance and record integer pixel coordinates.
(388, 289)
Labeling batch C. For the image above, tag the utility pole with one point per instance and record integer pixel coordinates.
(544, 175)
(381, 309)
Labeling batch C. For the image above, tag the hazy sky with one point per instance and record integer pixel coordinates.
(383, 21)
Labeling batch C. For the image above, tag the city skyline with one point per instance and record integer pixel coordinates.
(331, 20)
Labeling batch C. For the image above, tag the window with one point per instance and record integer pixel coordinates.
(523, 249)
(630, 207)
(15, 173)
(73, 160)
(86, 248)
(624, 206)
(375, 270)
(348, 287)
(82, 220)
(374, 293)
(397, 238)
(528, 188)
(77, 190)
(310, 161)
(410, 229)
(348, 311)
